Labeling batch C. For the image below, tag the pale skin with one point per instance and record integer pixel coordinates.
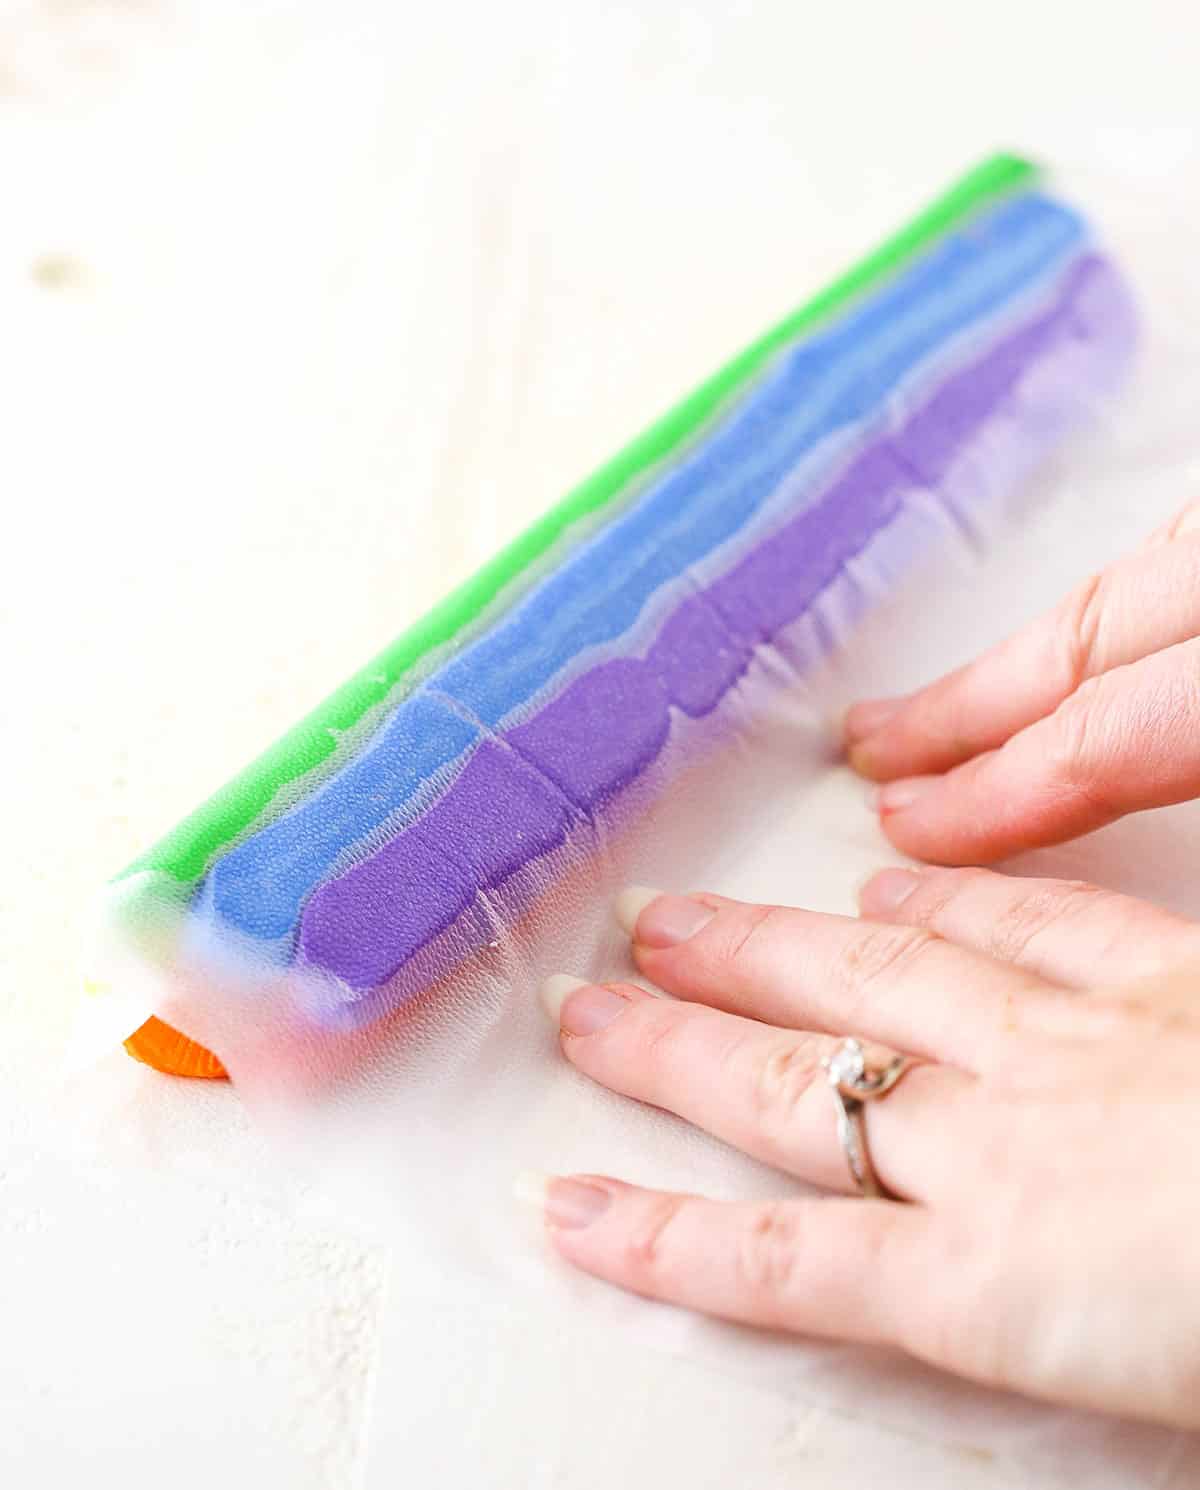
(1045, 1155)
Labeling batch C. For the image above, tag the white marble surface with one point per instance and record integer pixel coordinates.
(305, 308)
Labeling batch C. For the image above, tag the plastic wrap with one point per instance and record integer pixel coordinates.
(640, 689)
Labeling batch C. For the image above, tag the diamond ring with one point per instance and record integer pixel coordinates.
(854, 1084)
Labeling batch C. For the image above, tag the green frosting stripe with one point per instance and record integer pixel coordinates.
(185, 853)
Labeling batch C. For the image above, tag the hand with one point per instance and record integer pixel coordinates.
(1046, 1156)
(1091, 712)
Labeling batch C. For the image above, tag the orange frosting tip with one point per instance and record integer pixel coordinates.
(159, 1045)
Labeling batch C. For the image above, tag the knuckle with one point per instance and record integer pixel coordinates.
(744, 933)
(1080, 629)
(648, 1251)
(768, 1253)
(658, 1034)
(1033, 909)
(1186, 521)
(938, 894)
(784, 1075)
(1095, 740)
(880, 954)
(1076, 747)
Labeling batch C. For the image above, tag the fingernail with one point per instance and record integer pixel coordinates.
(863, 759)
(630, 904)
(529, 1186)
(570, 1204)
(867, 716)
(574, 1204)
(898, 796)
(887, 891)
(580, 1008)
(662, 920)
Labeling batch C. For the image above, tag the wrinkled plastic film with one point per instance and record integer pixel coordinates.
(897, 484)
(525, 744)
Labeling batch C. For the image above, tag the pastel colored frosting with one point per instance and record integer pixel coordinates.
(513, 722)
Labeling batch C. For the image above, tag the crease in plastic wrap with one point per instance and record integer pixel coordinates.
(640, 689)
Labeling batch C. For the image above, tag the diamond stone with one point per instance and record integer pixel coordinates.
(846, 1065)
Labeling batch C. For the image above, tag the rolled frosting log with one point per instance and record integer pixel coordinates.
(410, 819)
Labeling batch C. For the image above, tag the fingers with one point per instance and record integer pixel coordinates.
(1139, 606)
(844, 1269)
(761, 1089)
(1068, 933)
(900, 986)
(1125, 741)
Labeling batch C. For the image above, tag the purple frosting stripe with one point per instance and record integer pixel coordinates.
(612, 722)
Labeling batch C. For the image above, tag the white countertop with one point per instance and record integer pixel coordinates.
(305, 308)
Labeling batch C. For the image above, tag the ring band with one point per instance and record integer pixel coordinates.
(854, 1085)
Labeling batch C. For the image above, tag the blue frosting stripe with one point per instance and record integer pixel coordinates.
(828, 383)
(261, 879)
